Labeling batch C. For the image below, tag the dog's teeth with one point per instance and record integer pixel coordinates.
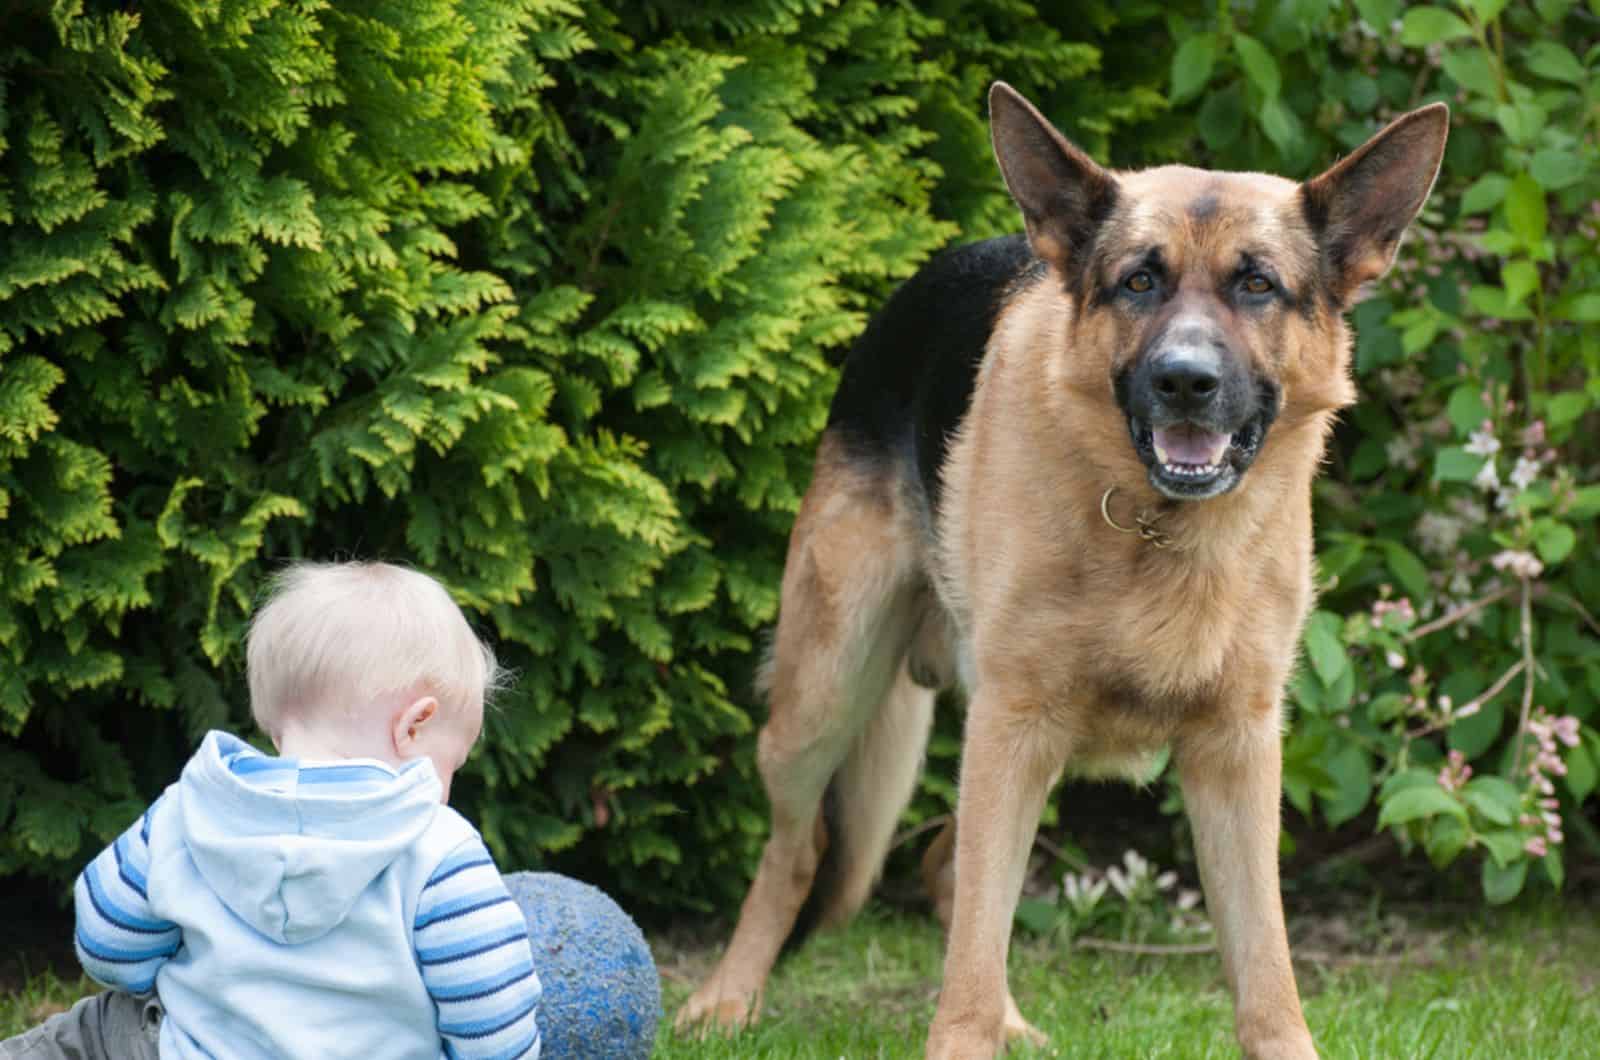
(1161, 455)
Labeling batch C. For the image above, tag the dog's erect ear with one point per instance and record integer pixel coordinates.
(1062, 192)
(1360, 207)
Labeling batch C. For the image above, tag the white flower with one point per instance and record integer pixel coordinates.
(1395, 660)
(1438, 533)
(1469, 510)
(1402, 452)
(1083, 893)
(1483, 442)
(1518, 563)
(1524, 473)
(1489, 478)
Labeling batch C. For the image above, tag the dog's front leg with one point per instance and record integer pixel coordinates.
(1009, 756)
(1232, 775)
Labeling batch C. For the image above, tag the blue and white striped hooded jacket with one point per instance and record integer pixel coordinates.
(282, 908)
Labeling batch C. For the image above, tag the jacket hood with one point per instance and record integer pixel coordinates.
(290, 845)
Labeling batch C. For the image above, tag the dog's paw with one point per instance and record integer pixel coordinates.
(1293, 1043)
(1020, 1031)
(717, 1008)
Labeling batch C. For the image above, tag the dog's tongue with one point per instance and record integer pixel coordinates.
(1185, 443)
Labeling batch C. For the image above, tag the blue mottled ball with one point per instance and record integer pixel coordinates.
(602, 997)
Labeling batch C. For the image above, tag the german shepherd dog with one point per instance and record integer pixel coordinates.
(1071, 472)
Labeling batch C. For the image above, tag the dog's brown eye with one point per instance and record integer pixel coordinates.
(1256, 283)
(1140, 282)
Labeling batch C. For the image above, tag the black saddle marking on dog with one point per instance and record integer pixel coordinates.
(909, 378)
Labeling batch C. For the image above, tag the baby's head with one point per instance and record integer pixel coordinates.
(367, 660)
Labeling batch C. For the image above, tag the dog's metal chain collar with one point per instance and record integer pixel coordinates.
(1144, 524)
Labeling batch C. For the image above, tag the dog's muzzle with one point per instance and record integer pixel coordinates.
(1197, 419)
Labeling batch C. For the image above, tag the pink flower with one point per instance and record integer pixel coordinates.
(1535, 846)
(1455, 773)
(1566, 730)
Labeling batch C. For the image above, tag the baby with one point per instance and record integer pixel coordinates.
(323, 902)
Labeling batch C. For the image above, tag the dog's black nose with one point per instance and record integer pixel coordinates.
(1187, 382)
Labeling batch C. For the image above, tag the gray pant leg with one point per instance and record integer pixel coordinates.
(108, 1026)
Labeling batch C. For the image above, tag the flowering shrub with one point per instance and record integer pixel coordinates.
(1453, 675)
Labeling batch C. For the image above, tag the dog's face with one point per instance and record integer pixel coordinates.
(1202, 301)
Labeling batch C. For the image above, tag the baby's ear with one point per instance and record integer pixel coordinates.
(409, 721)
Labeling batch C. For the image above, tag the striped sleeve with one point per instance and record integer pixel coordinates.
(472, 946)
(120, 942)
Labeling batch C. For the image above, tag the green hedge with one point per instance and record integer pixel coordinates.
(544, 296)
(539, 296)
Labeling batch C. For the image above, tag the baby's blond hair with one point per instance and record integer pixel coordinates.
(331, 637)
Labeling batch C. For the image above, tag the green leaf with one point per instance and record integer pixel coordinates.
(1192, 65)
(1467, 409)
(1525, 209)
(1378, 13)
(1581, 308)
(1469, 67)
(1555, 61)
(1418, 802)
(1324, 646)
(1555, 169)
(1583, 772)
(1408, 570)
(1388, 706)
(1037, 915)
(1259, 64)
(1454, 464)
(1486, 193)
(1420, 335)
(1476, 733)
(1565, 408)
(1554, 540)
(1495, 798)
(1500, 885)
(1430, 25)
(1444, 839)
(1554, 868)
(1360, 92)
(1522, 122)
(1280, 125)
(1585, 503)
(1351, 770)
(1407, 779)
(1487, 10)
(1520, 279)
(1503, 844)
(1221, 118)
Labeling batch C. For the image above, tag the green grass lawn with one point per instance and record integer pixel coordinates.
(1491, 984)
(1468, 983)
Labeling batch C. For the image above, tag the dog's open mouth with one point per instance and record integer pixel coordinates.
(1190, 462)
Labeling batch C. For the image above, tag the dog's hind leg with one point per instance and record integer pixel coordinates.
(868, 793)
(851, 591)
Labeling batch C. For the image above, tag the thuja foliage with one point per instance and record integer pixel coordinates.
(540, 296)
